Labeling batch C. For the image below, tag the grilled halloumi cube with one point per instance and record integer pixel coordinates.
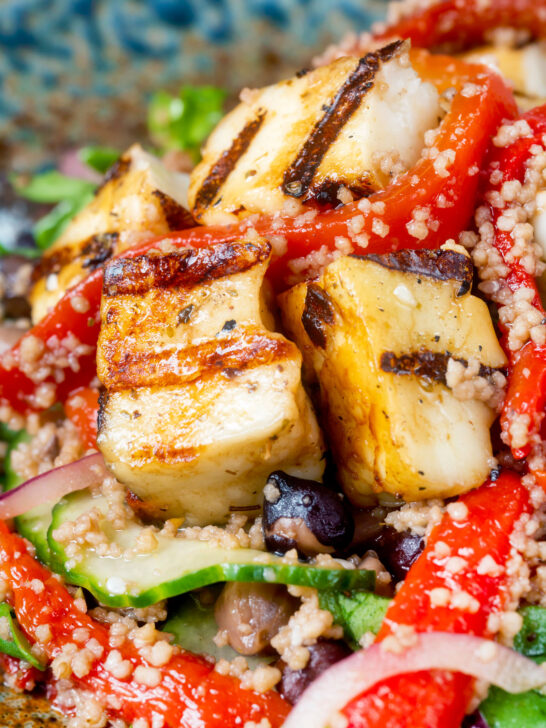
(202, 401)
(139, 199)
(341, 125)
(379, 333)
(524, 67)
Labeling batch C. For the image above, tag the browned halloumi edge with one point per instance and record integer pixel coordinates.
(377, 335)
(307, 137)
(202, 401)
(139, 199)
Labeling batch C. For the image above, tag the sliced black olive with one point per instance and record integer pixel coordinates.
(476, 720)
(15, 273)
(397, 550)
(304, 515)
(321, 656)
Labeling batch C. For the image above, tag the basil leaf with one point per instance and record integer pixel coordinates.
(531, 639)
(50, 227)
(52, 187)
(524, 710)
(505, 710)
(29, 253)
(99, 158)
(184, 121)
(12, 641)
(357, 612)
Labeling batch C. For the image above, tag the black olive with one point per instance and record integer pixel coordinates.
(397, 550)
(321, 656)
(476, 720)
(16, 287)
(304, 515)
(369, 522)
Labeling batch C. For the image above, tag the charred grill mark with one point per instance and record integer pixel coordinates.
(162, 452)
(101, 416)
(143, 509)
(226, 163)
(299, 176)
(117, 170)
(90, 254)
(444, 265)
(52, 262)
(98, 250)
(227, 358)
(318, 311)
(185, 269)
(177, 217)
(429, 365)
(325, 193)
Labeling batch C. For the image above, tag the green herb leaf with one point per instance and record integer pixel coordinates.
(525, 710)
(29, 253)
(15, 642)
(184, 121)
(357, 612)
(505, 710)
(531, 639)
(52, 187)
(50, 227)
(99, 158)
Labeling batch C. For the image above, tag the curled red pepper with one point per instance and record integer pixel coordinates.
(441, 196)
(526, 395)
(82, 408)
(189, 694)
(461, 24)
(446, 198)
(464, 600)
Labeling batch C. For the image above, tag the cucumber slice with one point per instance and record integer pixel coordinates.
(177, 565)
(193, 626)
(16, 643)
(33, 524)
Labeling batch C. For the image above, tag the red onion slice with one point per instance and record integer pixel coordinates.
(474, 656)
(53, 485)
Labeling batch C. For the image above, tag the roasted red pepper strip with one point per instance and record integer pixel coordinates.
(439, 699)
(190, 693)
(19, 674)
(448, 201)
(82, 407)
(74, 321)
(463, 24)
(526, 393)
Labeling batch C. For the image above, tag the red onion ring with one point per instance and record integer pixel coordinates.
(351, 677)
(53, 485)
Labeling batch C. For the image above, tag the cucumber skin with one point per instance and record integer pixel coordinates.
(273, 571)
(34, 524)
(298, 574)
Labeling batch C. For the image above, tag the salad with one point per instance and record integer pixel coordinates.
(272, 402)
